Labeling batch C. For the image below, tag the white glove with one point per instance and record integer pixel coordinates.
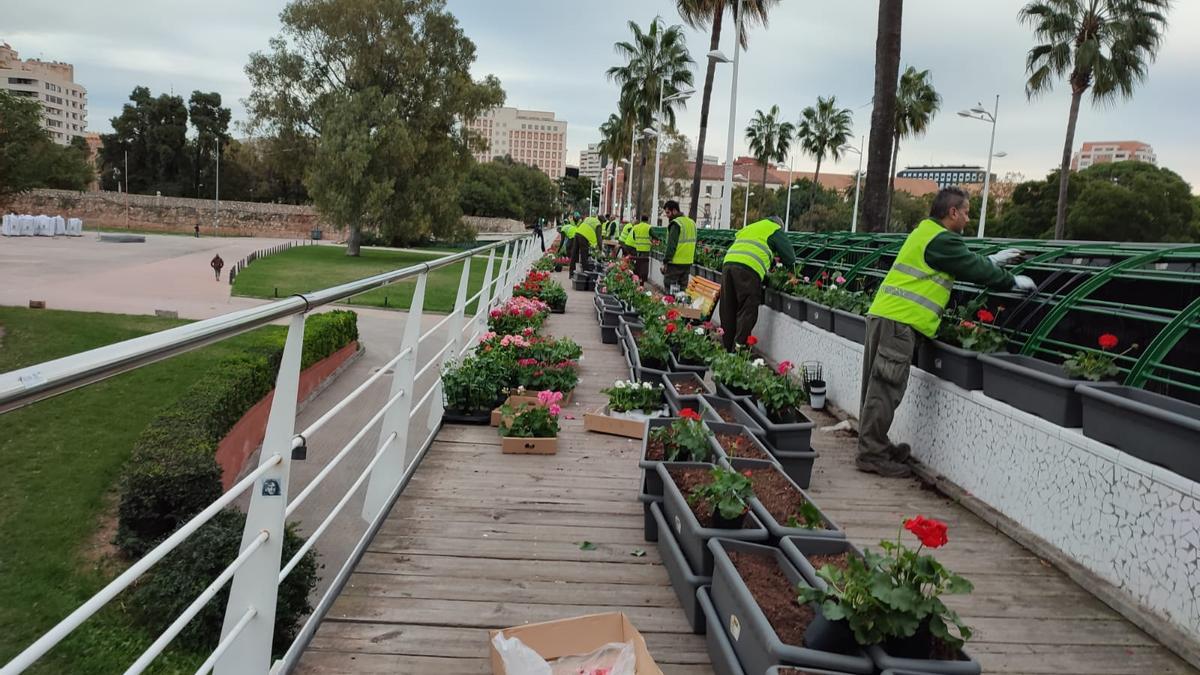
(1006, 256)
(1024, 283)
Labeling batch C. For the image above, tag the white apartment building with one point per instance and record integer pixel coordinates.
(1102, 152)
(531, 137)
(51, 83)
(589, 162)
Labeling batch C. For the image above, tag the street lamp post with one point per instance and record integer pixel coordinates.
(857, 180)
(658, 131)
(716, 55)
(787, 216)
(980, 113)
(217, 193)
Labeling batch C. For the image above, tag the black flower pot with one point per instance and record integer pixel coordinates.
(789, 441)
(678, 366)
(1033, 385)
(850, 326)
(794, 306)
(722, 523)
(677, 401)
(693, 537)
(818, 315)
(458, 416)
(1159, 429)
(772, 299)
(708, 410)
(684, 581)
(953, 364)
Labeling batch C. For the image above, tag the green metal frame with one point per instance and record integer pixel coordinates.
(1163, 344)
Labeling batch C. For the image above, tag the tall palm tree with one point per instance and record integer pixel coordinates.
(615, 137)
(769, 139)
(822, 132)
(699, 14)
(1104, 45)
(656, 61)
(917, 103)
(883, 115)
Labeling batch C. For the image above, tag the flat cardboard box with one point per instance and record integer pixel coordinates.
(516, 401)
(529, 446)
(579, 635)
(597, 421)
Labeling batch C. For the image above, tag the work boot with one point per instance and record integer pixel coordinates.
(884, 467)
(899, 452)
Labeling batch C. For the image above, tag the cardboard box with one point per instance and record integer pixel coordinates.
(691, 312)
(516, 401)
(579, 635)
(529, 446)
(600, 423)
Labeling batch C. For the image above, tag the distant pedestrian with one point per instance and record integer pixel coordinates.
(217, 264)
(197, 230)
(537, 229)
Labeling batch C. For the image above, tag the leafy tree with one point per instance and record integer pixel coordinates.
(917, 102)
(1104, 45)
(211, 123)
(29, 158)
(699, 14)
(488, 190)
(578, 191)
(769, 139)
(153, 131)
(822, 132)
(883, 115)
(380, 89)
(615, 140)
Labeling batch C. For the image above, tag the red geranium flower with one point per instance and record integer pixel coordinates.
(746, 473)
(689, 414)
(784, 367)
(968, 324)
(985, 316)
(528, 313)
(932, 533)
(670, 328)
(667, 300)
(1108, 341)
(751, 340)
(672, 314)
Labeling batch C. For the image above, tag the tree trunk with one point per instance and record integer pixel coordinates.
(892, 179)
(764, 180)
(883, 114)
(354, 241)
(815, 186)
(1064, 177)
(713, 44)
(641, 184)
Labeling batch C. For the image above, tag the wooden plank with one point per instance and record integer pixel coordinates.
(509, 532)
(530, 551)
(325, 663)
(469, 567)
(516, 515)
(499, 589)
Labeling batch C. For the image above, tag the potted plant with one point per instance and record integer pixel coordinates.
(531, 429)
(791, 302)
(849, 309)
(561, 262)
(637, 401)
(954, 355)
(810, 554)
(1150, 426)
(775, 281)
(649, 355)
(683, 438)
(555, 295)
(817, 312)
(754, 594)
(683, 390)
(517, 314)
(735, 372)
(782, 506)
(691, 346)
(778, 408)
(695, 519)
(535, 375)
(471, 389)
(892, 603)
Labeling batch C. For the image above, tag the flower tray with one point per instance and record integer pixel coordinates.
(772, 299)
(853, 327)
(794, 306)
(690, 534)
(455, 416)
(1035, 386)
(1159, 429)
(529, 446)
(603, 422)
(524, 400)
(684, 581)
(953, 364)
(724, 428)
(818, 315)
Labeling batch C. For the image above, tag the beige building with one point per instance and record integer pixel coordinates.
(1102, 152)
(589, 162)
(51, 83)
(528, 136)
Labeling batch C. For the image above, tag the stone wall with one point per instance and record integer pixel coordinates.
(174, 214)
(493, 225)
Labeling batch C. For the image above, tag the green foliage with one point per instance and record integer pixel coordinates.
(807, 516)
(1092, 365)
(961, 326)
(475, 383)
(736, 370)
(176, 581)
(685, 439)
(823, 131)
(778, 393)
(693, 345)
(624, 396)
(530, 421)
(770, 139)
(653, 344)
(728, 493)
(29, 158)
(153, 132)
(542, 376)
(503, 188)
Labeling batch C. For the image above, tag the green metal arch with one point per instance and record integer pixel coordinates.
(1163, 343)
(873, 257)
(1060, 310)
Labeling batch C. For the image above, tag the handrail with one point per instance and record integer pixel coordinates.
(34, 383)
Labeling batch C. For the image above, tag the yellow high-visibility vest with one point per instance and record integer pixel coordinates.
(913, 292)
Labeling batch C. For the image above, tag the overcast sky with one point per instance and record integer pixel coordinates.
(552, 55)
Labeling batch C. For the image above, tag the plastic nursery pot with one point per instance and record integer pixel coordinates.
(691, 535)
(653, 485)
(772, 299)
(788, 436)
(678, 366)
(1037, 387)
(649, 525)
(739, 396)
(818, 315)
(720, 650)
(801, 549)
(850, 326)
(953, 364)
(752, 450)
(794, 307)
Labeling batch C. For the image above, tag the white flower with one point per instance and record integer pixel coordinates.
(647, 385)
(699, 331)
(649, 294)
(833, 287)
(806, 280)
(759, 362)
(778, 265)
(619, 384)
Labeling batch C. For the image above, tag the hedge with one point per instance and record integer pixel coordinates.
(172, 473)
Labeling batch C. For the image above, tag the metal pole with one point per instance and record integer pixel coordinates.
(727, 185)
(987, 176)
(746, 204)
(628, 173)
(127, 189)
(787, 218)
(857, 185)
(217, 194)
(662, 85)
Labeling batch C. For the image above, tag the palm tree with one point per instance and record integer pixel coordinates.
(917, 103)
(656, 59)
(822, 132)
(698, 14)
(883, 114)
(615, 137)
(1104, 45)
(769, 139)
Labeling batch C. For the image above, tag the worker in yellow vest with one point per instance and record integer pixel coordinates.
(641, 243)
(680, 251)
(911, 300)
(743, 270)
(585, 241)
(626, 239)
(568, 238)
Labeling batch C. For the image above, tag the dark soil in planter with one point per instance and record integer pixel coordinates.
(838, 560)
(789, 416)
(653, 363)
(726, 412)
(922, 646)
(689, 388)
(777, 495)
(775, 595)
(689, 479)
(656, 451)
(741, 445)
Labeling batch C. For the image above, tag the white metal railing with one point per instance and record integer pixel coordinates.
(246, 637)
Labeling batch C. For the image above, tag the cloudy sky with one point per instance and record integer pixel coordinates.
(552, 55)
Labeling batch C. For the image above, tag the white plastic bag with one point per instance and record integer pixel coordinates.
(615, 658)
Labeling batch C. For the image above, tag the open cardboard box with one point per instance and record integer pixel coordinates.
(516, 401)
(578, 635)
(597, 421)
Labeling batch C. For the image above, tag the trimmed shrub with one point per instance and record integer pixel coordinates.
(184, 574)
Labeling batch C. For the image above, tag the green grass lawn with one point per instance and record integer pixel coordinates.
(311, 268)
(61, 460)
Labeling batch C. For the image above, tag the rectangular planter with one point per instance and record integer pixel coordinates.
(677, 401)
(741, 416)
(529, 446)
(1159, 429)
(1035, 386)
(780, 530)
(653, 485)
(798, 548)
(720, 651)
(850, 326)
(790, 443)
(772, 299)
(678, 367)
(725, 392)
(683, 579)
(953, 364)
(794, 306)
(818, 315)
(649, 525)
(755, 642)
(691, 536)
(724, 457)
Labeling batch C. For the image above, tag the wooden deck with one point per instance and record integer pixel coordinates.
(480, 540)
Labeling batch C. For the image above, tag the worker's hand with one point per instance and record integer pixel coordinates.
(1006, 256)
(1024, 283)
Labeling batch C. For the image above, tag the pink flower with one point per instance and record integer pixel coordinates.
(527, 362)
(841, 279)
(514, 311)
(488, 335)
(548, 397)
(527, 331)
(528, 313)
(667, 300)
(784, 367)
(720, 331)
(494, 313)
(555, 409)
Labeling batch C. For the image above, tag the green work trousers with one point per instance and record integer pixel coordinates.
(741, 294)
(887, 356)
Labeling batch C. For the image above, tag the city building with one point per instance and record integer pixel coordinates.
(945, 176)
(589, 162)
(51, 83)
(528, 136)
(1102, 152)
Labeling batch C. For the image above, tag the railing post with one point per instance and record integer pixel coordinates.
(485, 296)
(256, 584)
(502, 277)
(454, 338)
(391, 465)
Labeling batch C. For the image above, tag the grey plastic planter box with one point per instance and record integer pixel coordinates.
(798, 548)
(850, 326)
(953, 364)
(780, 530)
(1159, 429)
(683, 579)
(724, 458)
(772, 299)
(819, 315)
(677, 401)
(886, 662)
(692, 538)
(649, 525)
(741, 416)
(725, 392)
(790, 443)
(642, 373)
(1035, 386)
(755, 642)
(653, 484)
(609, 320)
(720, 650)
(794, 306)
(679, 367)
